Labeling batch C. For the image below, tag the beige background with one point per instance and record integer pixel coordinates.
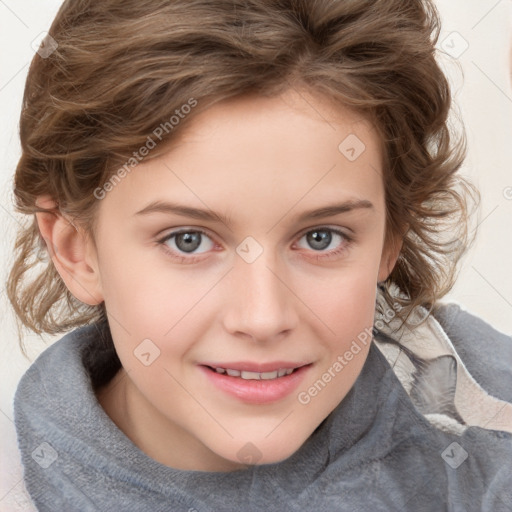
(476, 33)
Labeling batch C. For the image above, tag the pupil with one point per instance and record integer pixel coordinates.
(188, 242)
(319, 239)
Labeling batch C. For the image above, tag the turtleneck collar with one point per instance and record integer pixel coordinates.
(81, 426)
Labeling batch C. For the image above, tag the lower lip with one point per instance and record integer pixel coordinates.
(257, 391)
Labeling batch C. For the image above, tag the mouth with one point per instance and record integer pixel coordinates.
(256, 384)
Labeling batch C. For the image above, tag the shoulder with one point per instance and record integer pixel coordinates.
(486, 352)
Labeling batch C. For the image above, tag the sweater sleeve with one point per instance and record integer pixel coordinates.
(486, 352)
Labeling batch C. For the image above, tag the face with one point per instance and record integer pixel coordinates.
(253, 245)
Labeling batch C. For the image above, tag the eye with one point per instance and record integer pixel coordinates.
(322, 238)
(186, 241)
(183, 244)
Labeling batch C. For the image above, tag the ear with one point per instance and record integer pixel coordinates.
(390, 255)
(72, 251)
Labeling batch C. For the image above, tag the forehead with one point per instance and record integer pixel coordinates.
(254, 152)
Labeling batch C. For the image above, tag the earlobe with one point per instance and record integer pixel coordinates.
(71, 251)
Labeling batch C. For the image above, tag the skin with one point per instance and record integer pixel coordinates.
(261, 162)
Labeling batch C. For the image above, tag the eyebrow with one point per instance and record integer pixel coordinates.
(209, 215)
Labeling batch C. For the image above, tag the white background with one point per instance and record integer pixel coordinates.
(481, 29)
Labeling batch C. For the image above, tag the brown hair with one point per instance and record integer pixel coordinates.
(123, 68)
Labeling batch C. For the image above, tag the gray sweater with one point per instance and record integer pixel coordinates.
(390, 445)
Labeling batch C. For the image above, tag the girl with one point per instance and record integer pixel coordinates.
(251, 210)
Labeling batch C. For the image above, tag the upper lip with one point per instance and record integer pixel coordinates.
(247, 366)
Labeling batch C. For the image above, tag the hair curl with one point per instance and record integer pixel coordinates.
(123, 67)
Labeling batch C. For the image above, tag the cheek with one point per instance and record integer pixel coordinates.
(349, 306)
(344, 298)
(141, 289)
(153, 302)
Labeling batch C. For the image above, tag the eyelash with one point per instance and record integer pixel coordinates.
(348, 240)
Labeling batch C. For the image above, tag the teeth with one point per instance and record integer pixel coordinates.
(255, 375)
(269, 375)
(250, 375)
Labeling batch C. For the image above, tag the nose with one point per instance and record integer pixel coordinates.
(261, 305)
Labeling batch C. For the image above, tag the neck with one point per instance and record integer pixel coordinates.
(162, 440)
